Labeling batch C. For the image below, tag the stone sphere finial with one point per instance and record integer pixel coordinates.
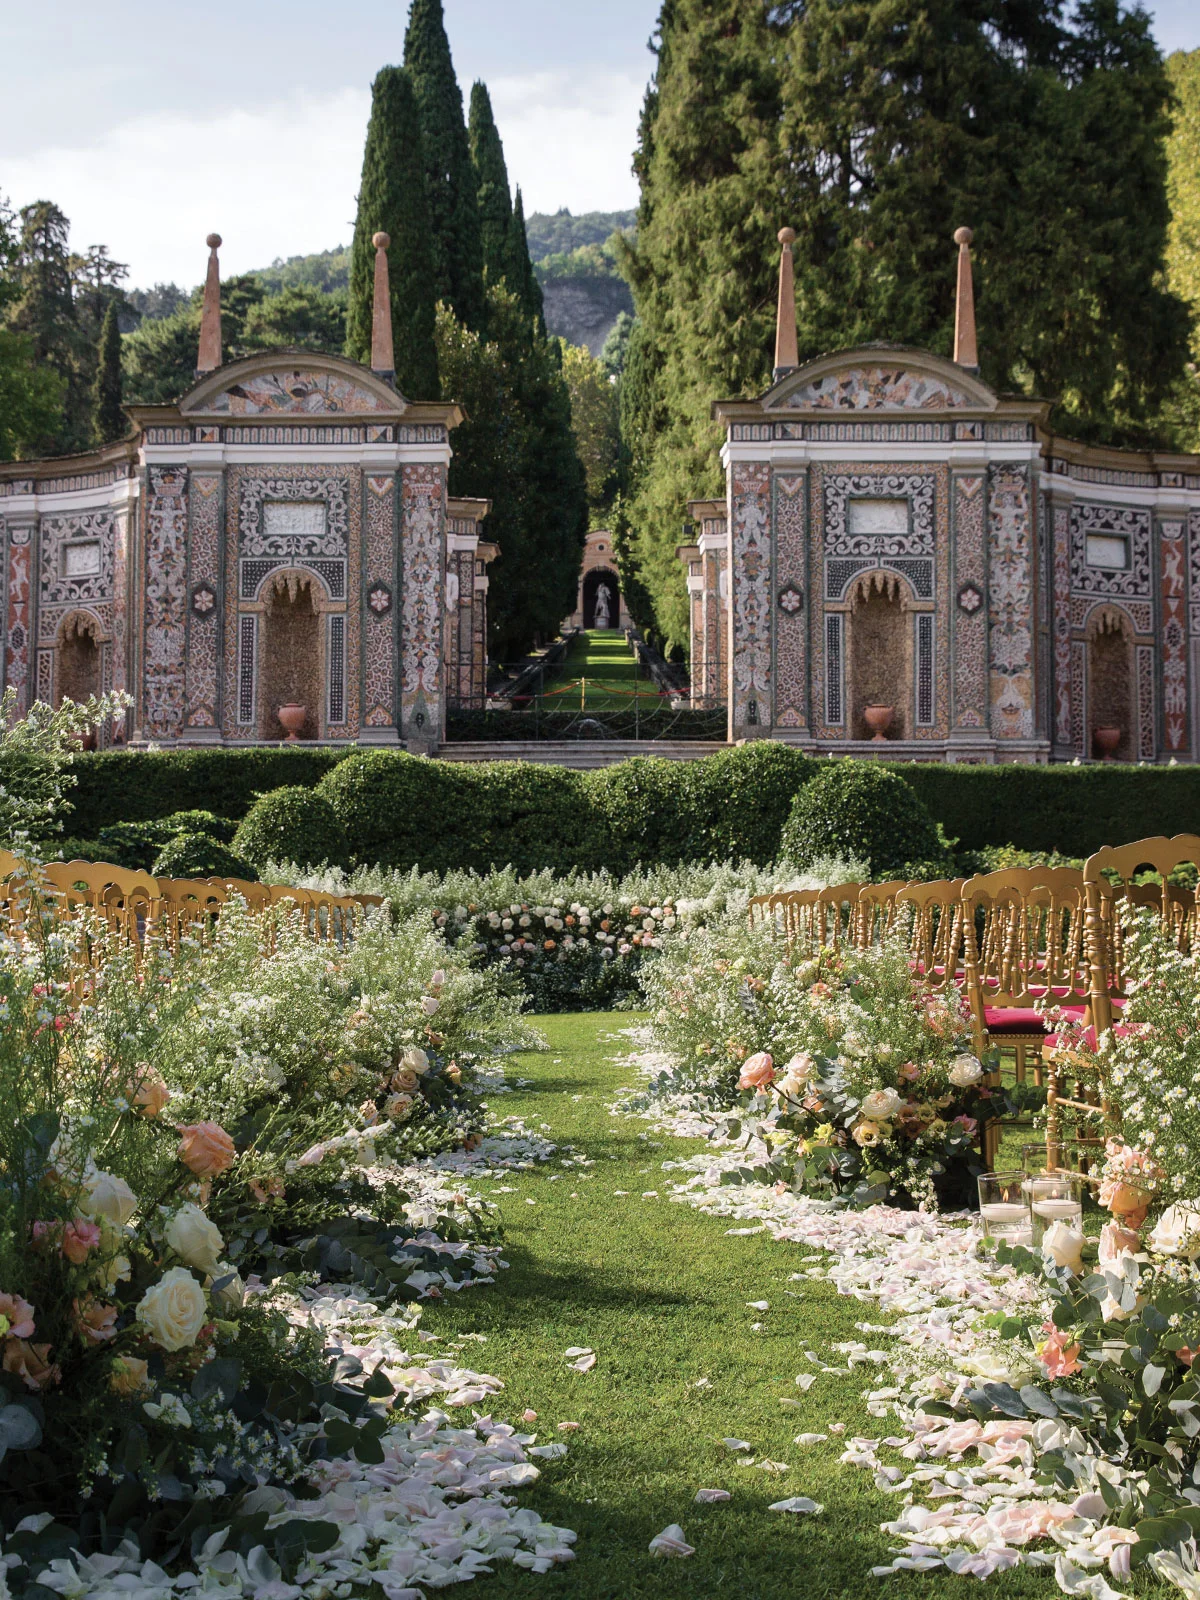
(963, 235)
(381, 240)
(213, 241)
(787, 235)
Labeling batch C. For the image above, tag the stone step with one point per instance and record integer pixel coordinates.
(583, 754)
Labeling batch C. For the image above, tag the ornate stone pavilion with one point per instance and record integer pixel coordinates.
(897, 536)
(280, 536)
(599, 567)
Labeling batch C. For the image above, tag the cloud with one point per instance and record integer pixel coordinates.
(280, 178)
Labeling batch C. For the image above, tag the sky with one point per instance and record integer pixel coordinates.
(152, 123)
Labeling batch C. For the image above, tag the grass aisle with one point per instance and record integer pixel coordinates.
(659, 1291)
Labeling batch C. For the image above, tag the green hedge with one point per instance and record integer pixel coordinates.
(401, 809)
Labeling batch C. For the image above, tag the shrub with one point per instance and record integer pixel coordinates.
(203, 822)
(135, 845)
(292, 824)
(401, 810)
(858, 809)
(196, 855)
(642, 806)
(741, 798)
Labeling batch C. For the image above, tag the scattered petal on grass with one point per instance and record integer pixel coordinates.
(702, 1383)
(529, 1416)
(798, 1503)
(806, 1380)
(786, 1400)
(584, 1364)
(767, 1466)
(836, 1427)
(761, 1228)
(567, 1427)
(712, 1497)
(757, 1327)
(737, 1444)
(621, 1192)
(759, 1305)
(578, 1350)
(649, 1194)
(548, 1452)
(809, 1438)
(670, 1542)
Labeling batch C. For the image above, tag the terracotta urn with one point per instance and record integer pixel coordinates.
(1107, 740)
(291, 720)
(879, 720)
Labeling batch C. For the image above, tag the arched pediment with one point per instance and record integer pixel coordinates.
(879, 378)
(291, 383)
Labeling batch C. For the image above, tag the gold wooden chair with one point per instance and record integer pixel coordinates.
(932, 913)
(1177, 909)
(876, 912)
(835, 915)
(188, 907)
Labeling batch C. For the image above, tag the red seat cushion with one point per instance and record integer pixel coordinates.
(1022, 1019)
(1089, 1037)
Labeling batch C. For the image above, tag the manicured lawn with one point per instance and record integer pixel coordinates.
(659, 1292)
(600, 674)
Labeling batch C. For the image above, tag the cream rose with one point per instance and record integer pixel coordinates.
(1177, 1232)
(881, 1104)
(195, 1238)
(109, 1197)
(230, 1296)
(174, 1310)
(1064, 1246)
(757, 1071)
(415, 1060)
(964, 1071)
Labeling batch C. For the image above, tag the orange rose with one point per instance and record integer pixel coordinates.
(150, 1094)
(94, 1323)
(205, 1148)
(31, 1363)
(130, 1375)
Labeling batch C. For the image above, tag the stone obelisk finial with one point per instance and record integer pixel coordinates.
(786, 359)
(383, 360)
(210, 317)
(966, 352)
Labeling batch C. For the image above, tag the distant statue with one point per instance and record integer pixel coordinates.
(603, 615)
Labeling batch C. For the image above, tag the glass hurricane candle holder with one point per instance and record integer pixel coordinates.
(1054, 1197)
(1004, 1207)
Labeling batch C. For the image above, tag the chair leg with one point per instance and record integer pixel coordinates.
(1053, 1150)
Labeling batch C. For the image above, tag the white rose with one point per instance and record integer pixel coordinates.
(881, 1104)
(429, 1004)
(109, 1197)
(1177, 1232)
(415, 1060)
(232, 1294)
(964, 1071)
(174, 1310)
(1064, 1246)
(195, 1238)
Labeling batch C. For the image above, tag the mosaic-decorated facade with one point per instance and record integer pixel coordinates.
(895, 535)
(280, 535)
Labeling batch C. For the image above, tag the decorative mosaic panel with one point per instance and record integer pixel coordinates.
(1194, 619)
(120, 628)
(791, 667)
(336, 696)
(1140, 612)
(379, 624)
(834, 669)
(1124, 522)
(76, 557)
(970, 623)
(1063, 734)
(877, 388)
(246, 696)
(1010, 602)
(19, 614)
(274, 393)
(422, 544)
(327, 545)
(925, 669)
(164, 603)
(1174, 639)
(204, 581)
(750, 580)
(1145, 702)
(1078, 694)
(920, 554)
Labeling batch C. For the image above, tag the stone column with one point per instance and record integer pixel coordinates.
(1173, 634)
(164, 601)
(1010, 603)
(969, 679)
(380, 723)
(205, 591)
(18, 618)
(789, 607)
(749, 601)
(422, 586)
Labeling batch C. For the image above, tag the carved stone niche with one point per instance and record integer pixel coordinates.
(879, 655)
(79, 664)
(1110, 680)
(292, 659)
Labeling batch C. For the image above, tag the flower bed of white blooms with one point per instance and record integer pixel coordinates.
(993, 1459)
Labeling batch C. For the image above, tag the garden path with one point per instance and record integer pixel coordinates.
(659, 1291)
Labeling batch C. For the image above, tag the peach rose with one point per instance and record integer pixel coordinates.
(94, 1323)
(31, 1363)
(16, 1317)
(150, 1094)
(130, 1375)
(404, 1080)
(79, 1239)
(1130, 1204)
(1059, 1357)
(205, 1148)
(1116, 1241)
(757, 1071)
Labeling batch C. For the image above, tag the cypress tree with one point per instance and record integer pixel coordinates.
(519, 272)
(392, 199)
(108, 417)
(449, 175)
(491, 184)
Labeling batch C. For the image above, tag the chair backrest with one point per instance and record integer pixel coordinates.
(836, 914)
(934, 915)
(1023, 939)
(877, 911)
(1177, 907)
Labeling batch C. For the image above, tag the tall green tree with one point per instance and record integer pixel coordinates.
(31, 395)
(519, 272)
(158, 360)
(491, 185)
(41, 309)
(108, 417)
(299, 317)
(449, 175)
(595, 422)
(392, 199)
(1183, 241)
(517, 448)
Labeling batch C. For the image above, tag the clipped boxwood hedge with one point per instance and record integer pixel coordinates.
(292, 824)
(198, 855)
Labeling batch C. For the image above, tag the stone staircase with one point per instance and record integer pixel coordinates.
(583, 754)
